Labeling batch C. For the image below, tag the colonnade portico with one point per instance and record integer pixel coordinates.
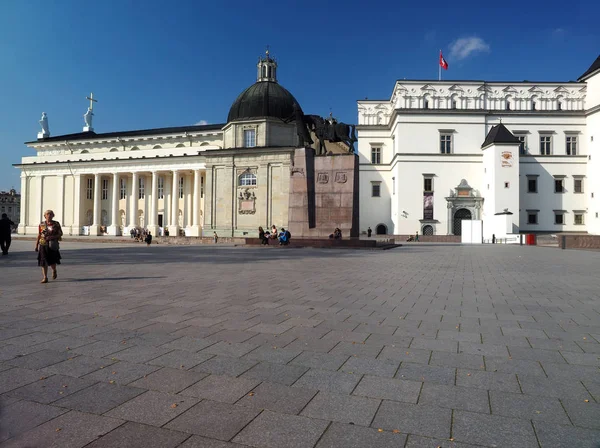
(124, 205)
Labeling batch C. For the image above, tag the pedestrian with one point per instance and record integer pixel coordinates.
(149, 238)
(417, 237)
(493, 238)
(369, 232)
(215, 237)
(46, 245)
(6, 226)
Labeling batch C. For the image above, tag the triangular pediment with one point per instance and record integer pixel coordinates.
(535, 89)
(509, 89)
(561, 89)
(428, 87)
(401, 88)
(583, 89)
(456, 88)
(484, 88)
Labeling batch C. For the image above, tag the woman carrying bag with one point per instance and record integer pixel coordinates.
(46, 245)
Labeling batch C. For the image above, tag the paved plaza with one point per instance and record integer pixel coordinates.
(231, 347)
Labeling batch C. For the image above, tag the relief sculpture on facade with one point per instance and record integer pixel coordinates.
(247, 202)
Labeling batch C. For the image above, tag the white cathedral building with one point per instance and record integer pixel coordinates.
(439, 152)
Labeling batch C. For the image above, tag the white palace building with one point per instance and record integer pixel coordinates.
(439, 152)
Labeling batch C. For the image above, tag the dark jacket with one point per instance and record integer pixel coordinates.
(6, 226)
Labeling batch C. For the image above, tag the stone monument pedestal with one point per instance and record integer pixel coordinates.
(323, 194)
(88, 129)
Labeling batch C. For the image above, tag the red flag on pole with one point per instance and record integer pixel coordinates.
(443, 62)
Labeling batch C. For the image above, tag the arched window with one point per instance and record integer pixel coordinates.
(135, 148)
(247, 179)
(181, 145)
(427, 230)
(113, 149)
(85, 151)
(157, 147)
(381, 229)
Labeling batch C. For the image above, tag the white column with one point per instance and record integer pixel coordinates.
(174, 224)
(196, 230)
(24, 205)
(76, 224)
(114, 228)
(61, 195)
(41, 201)
(152, 226)
(133, 201)
(95, 227)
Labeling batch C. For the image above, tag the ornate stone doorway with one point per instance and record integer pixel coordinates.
(459, 216)
(463, 203)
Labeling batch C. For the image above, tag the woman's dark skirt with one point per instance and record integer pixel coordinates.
(47, 257)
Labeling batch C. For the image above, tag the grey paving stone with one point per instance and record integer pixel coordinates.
(312, 345)
(121, 372)
(440, 345)
(583, 414)
(554, 344)
(593, 388)
(71, 430)
(67, 343)
(278, 398)
(431, 421)
(190, 343)
(134, 435)
(528, 407)
(34, 338)
(363, 350)
(492, 430)
(347, 336)
(272, 354)
(9, 352)
(426, 374)
(462, 360)
(534, 354)
(487, 380)
(99, 398)
(139, 354)
(584, 359)
(320, 360)
(521, 367)
(560, 436)
(570, 372)
(388, 389)
(461, 336)
(153, 408)
(78, 366)
(455, 397)
(366, 366)
(203, 442)
(224, 365)
(169, 380)
(554, 388)
(275, 373)
(405, 354)
(483, 349)
(180, 359)
(329, 381)
(342, 408)
(51, 388)
(426, 442)
(39, 360)
(352, 436)
(271, 430)
(100, 349)
(22, 416)
(231, 349)
(214, 420)
(15, 378)
(224, 389)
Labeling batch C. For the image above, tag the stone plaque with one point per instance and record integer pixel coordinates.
(323, 178)
(246, 202)
(341, 178)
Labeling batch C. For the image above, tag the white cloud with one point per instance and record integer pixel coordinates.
(201, 123)
(466, 46)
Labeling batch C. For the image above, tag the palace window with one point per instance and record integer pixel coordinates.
(559, 186)
(123, 188)
(532, 217)
(578, 185)
(181, 185)
(446, 143)
(532, 184)
(376, 189)
(571, 145)
(428, 184)
(247, 180)
(89, 191)
(249, 138)
(161, 187)
(375, 155)
(545, 145)
(141, 188)
(104, 189)
(578, 219)
(201, 186)
(559, 217)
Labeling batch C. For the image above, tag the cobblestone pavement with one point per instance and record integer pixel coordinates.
(421, 346)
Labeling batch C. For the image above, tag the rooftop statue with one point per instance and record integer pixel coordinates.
(44, 124)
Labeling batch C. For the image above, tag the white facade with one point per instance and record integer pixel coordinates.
(435, 130)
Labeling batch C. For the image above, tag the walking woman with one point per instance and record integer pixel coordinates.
(49, 232)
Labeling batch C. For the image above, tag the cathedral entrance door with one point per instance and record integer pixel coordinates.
(460, 214)
(160, 220)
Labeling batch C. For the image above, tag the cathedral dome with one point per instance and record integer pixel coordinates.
(264, 98)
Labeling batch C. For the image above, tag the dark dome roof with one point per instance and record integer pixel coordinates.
(263, 99)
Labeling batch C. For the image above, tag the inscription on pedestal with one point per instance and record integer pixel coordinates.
(323, 178)
(341, 178)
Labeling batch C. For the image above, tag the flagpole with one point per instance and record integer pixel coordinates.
(439, 68)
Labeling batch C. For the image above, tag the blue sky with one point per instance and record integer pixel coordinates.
(159, 63)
